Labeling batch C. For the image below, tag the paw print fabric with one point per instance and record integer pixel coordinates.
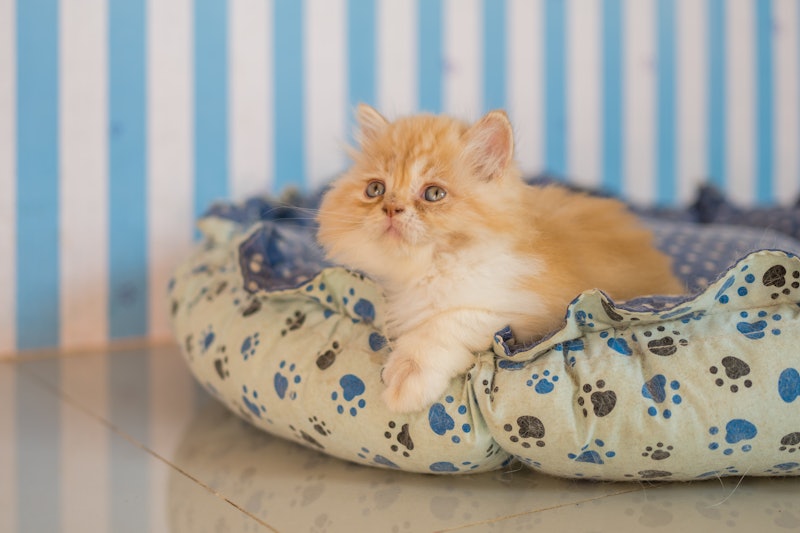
(662, 388)
(710, 381)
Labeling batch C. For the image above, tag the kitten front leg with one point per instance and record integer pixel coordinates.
(418, 372)
(425, 359)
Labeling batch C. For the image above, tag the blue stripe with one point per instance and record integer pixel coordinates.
(666, 115)
(717, 93)
(555, 87)
(37, 431)
(210, 103)
(37, 253)
(494, 54)
(361, 51)
(130, 472)
(764, 133)
(613, 172)
(127, 170)
(431, 56)
(288, 64)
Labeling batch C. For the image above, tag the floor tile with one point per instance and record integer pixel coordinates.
(751, 504)
(150, 399)
(292, 488)
(147, 394)
(65, 470)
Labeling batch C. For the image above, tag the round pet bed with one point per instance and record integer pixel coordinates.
(657, 388)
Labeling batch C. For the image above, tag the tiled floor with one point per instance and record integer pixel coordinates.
(127, 442)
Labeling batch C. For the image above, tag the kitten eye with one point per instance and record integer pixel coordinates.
(434, 193)
(375, 189)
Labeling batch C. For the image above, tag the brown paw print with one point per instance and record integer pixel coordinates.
(528, 428)
(402, 438)
(735, 369)
(778, 277)
(603, 401)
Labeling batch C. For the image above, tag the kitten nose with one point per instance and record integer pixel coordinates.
(391, 209)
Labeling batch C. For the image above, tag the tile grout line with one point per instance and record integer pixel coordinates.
(109, 348)
(108, 424)
(545, 509)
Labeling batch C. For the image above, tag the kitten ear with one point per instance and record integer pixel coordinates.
(371, 123)
(490, 144)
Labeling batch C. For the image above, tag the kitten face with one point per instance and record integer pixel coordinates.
(416, 189)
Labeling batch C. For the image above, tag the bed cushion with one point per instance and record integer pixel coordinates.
(657, 388)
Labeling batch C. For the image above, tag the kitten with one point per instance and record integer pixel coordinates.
(436, 211)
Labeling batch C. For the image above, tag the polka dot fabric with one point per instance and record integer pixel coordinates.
(670, 388)
(711, 206)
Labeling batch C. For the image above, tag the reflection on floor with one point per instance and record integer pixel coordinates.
(127, 442)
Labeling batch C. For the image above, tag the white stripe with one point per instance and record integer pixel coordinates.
(326, 111)
(396, 57)
(787, 130)
(740, 111)
(8, 192)
(640, 90)
(584, 49)
(250, 96)
(169, 148)
(462, 90)
(692, 67)
(84, 446)
(8, 452)
(83, 188)
(525, 69)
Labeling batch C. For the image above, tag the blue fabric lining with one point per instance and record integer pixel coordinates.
(284, 240)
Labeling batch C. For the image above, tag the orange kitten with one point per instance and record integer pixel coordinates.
(436, 211)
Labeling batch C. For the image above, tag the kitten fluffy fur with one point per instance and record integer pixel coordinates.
(436, 211)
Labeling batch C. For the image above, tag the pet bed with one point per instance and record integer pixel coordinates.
(660, 388)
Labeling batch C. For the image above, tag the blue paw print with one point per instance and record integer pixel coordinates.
(736, 431)
(377, 342)
(789, 385)
(684, 314)
(784, 469)
(618, 344)
(352, 388)
(542, 384)
(249, 344)
(728, 471)
(584, 319)
(377, 459)
(365, 310)
(253, 405)
(447, 466)
(570, 346)
(282, 382)
(530, 462)
(758, 327)
(656, 389)
(505, 364)
(207, 337)
(694, 315)
(441, 422)
(721, 296)
(592, 456)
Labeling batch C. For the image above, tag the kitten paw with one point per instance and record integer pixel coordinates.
(409, 386)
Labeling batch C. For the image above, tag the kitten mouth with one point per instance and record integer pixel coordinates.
(393, 231)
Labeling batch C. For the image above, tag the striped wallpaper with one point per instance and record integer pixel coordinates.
(120, 120)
